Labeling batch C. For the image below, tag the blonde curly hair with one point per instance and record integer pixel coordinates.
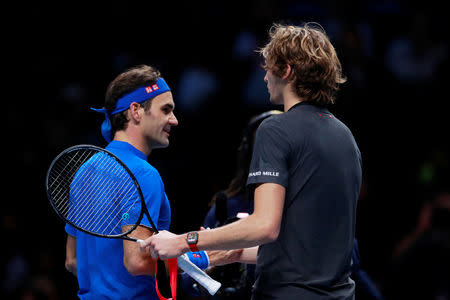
(316, 70)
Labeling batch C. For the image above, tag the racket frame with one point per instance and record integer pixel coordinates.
(144, 209)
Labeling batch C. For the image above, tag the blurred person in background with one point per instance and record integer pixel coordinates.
(226, 207)
(421, 260)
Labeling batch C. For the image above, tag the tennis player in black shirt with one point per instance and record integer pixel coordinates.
(306, 174)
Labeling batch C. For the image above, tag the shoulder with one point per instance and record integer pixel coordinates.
(274, 126)
(289, 122)
(145, 169)
(140, 167)
(278, 130)
(275, 121)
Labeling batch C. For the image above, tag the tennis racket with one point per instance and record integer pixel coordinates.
(94, 191)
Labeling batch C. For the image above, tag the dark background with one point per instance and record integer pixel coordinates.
(60, 57)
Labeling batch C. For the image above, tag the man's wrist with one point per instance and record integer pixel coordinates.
(182, 241)
(192, 240)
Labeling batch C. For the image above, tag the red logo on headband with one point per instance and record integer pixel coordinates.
(152, 88)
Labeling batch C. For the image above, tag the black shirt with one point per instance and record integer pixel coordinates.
(315, 157)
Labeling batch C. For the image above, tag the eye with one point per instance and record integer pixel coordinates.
(167, 109)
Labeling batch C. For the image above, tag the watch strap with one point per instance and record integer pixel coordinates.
(192, 239)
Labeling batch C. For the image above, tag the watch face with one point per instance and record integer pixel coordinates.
(192, 237)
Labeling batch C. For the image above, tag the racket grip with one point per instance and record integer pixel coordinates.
(211, 285)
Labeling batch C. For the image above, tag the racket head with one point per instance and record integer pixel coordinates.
(94, 191)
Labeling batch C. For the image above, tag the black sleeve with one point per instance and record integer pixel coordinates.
(270, 155)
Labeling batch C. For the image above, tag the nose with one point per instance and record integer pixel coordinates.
(173, 121)
(265, 78)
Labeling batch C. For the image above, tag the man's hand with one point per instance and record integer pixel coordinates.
(71, 255)
(165, 245)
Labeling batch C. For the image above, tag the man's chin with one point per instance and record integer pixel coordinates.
(161, 145)
(273, 101)
(276, 101)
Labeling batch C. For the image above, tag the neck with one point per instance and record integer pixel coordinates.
(134, 140)
(290, 98)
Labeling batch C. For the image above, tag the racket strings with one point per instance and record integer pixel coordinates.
(89, 212)
(65, 204)
(63, 172)
(94, 192)
(123, 213)
(125, 191)
(101, 216)
(90, 190)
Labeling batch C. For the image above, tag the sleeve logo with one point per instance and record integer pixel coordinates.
(264, 173)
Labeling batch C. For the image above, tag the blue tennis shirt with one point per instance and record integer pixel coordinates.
(100, 270)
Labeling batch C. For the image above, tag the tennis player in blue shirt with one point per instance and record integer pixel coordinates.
(138, 118)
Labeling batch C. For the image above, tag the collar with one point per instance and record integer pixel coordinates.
(308, 107)
(128, 147)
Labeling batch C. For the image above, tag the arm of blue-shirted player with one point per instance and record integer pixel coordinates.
(261, 227)
(71, 254)
(224, 257)
(135, 260)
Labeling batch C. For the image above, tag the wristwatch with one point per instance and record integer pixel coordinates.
(192, 239)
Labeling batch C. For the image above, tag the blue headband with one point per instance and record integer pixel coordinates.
(139, 95)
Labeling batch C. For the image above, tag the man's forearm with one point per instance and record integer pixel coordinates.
(225, 257)
(245, 233)
(262, 226)
(249, 255)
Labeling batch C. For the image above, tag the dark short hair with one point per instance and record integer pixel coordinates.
(125, 83)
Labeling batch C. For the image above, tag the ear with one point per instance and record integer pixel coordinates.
(135, 111)
(287, 72)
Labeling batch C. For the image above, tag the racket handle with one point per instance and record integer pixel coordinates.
(211, 285)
